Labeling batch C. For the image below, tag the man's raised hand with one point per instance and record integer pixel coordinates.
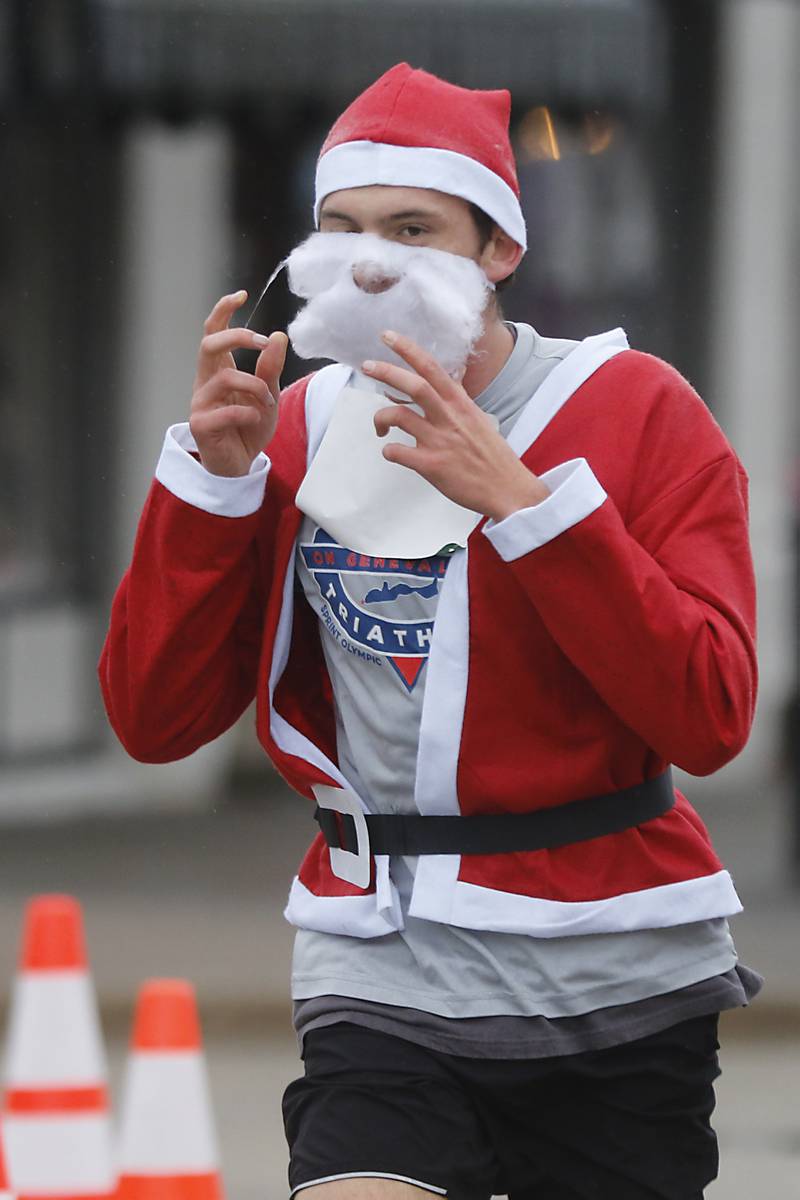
(457, 449)
(234, 414)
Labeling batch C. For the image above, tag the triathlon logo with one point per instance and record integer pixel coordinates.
(399, 584)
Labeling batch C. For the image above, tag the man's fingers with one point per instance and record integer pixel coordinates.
(231, 339)
(217, 391)
(413, 385)
(400, 417)
(427, 383)
(406, 456)
(215, 346)
(221, 420)
(423, 363)
(223, 310)
(271, 362)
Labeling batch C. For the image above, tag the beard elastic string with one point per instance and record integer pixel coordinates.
(264, 290)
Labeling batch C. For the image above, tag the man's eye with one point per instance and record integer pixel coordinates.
(413, 231)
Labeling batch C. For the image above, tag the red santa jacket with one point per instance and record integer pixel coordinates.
(579, 647)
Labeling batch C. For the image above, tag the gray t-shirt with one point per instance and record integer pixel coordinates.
(421, 978)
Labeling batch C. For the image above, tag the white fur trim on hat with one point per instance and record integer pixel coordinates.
(361, 164)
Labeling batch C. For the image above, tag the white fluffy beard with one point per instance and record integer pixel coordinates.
(434, 297)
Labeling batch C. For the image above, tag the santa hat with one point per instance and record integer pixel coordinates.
(411, 129)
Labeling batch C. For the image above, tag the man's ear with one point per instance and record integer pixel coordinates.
(500, 256)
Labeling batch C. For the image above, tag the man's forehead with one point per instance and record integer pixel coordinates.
(390, 202)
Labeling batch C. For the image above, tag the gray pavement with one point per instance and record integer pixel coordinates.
(201, 896)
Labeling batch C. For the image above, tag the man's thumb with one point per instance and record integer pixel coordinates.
(271, 361)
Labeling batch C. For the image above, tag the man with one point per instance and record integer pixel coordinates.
(512, 942)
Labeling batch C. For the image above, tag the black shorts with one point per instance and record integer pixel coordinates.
(628, 1123)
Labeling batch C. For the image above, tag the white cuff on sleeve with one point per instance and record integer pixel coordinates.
(574, 493)
(188, 479)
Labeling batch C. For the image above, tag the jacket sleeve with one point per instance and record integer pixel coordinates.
(658, 614)
(179, 663)
(181, 658)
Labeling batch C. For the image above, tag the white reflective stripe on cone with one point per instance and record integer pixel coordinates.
(54, 1034)
(64, 1155)
(166, 1116)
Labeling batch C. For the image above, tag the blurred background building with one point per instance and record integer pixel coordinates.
(156, 153)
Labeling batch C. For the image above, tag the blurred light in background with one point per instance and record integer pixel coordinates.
(539, 138)
(536, 137)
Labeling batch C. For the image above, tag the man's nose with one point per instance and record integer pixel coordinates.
(373, 278)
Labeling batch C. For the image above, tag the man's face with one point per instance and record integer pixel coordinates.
(409, 259)
(410, 216)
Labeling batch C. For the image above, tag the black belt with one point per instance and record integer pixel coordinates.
(504, 833)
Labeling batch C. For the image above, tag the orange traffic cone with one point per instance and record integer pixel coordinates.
(56, 1121)
(5, 1186)
(168, 1148)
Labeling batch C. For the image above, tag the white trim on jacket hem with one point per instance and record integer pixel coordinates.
(440, 896)
(575, 493)
(369, 1175)
(353, 916)
(187, 478)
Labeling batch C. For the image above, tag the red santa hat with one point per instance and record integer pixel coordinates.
(411, 129)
